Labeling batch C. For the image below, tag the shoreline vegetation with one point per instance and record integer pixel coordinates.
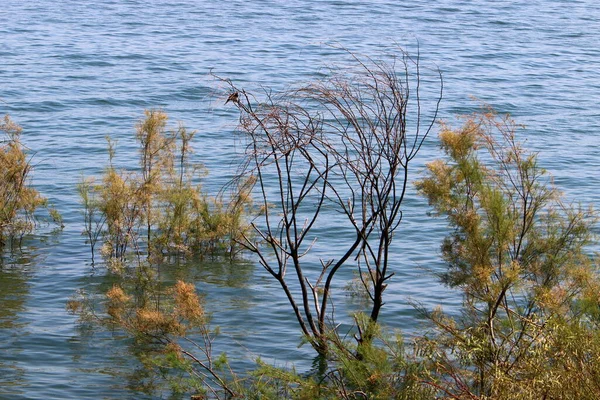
(517, 252)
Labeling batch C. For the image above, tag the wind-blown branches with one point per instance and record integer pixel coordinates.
(340, 145)
(371, 142)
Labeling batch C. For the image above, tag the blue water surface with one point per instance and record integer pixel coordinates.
(72, 72)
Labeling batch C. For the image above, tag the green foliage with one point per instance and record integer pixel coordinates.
(518, 253)
(159, 210)
(379, 368)
(160, 320)
(359, 286)
(18, 200)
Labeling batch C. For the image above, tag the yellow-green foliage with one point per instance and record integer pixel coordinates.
(160, 209)
(375, 369)
(159, 315)
(518, 253)
(18, 200)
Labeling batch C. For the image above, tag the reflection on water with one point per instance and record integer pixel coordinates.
(14, 289)
(219, 270)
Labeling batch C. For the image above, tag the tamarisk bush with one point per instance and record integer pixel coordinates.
(18, 200)
(142, 217)
(159, 210)
(529, 326)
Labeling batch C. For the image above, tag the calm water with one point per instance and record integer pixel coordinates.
(72, 72)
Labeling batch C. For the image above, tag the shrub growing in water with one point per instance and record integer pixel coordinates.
(529, 323)
(335, 154)
(144, 216)
(159, 210)
(18, 200)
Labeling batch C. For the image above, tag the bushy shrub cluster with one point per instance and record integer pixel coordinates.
(160, 209)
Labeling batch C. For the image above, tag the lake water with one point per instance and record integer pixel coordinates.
(72, 72)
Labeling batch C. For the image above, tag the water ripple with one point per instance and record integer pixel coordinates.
(73, 72)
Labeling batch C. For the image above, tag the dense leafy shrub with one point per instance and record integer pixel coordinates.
(529, 323)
